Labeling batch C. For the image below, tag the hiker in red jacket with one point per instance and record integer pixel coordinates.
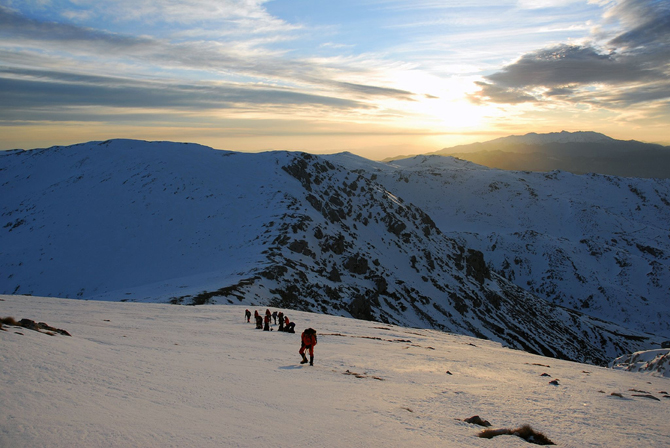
(308, 342)
(289, 327)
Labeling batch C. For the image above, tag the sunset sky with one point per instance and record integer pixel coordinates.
(374, 77)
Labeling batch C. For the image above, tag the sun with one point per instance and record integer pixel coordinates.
(442, 102)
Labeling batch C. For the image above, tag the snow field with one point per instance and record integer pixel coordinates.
(156, 375)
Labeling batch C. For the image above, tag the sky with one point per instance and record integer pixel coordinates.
(375, 77)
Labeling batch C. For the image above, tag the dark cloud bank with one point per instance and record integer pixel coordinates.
(631, 68)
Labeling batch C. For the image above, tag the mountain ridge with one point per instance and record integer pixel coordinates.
(148, 221)
(579, 152)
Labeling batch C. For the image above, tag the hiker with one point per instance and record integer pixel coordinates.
(281, 321)
(259, 322)
(308, 338)
(267, 323)
(274, 316)
(289, 326)
(268, 314)
(247, 314)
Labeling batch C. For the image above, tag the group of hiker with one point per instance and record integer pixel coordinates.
(307, 339)
(263, 323)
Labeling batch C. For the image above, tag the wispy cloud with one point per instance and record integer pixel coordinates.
(228, 61)
(30, 90)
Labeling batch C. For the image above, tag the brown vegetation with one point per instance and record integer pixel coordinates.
(525, 432)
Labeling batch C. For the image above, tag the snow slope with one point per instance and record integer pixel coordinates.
(598, 244)
(136, 213)
(156, 375)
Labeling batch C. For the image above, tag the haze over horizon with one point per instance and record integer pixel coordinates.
(377, 78)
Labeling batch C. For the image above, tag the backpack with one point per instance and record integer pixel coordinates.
(311, 332)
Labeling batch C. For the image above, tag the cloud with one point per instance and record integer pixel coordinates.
(234, 59)
(376, 91)
(571, 64)
(242, 15)
(17, 27)
(648, 23)
(493, 93)
(31, 92)
(630, 68)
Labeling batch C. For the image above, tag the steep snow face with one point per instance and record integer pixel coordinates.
(599, 244)
(156, 375)
(127, 220)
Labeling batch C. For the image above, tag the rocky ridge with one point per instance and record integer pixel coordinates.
(192, 225)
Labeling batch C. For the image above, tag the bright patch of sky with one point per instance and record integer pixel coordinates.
(458, 69)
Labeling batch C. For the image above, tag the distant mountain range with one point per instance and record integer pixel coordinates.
(430, 242)
(575, 152)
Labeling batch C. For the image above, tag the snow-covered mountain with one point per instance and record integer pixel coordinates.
(575, 152)
(595, 243)
(156, 375)
(139, 221)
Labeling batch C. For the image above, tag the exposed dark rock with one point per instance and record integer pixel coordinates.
(233, 290)
(337, 245)
(357, 264)
(336, 200)
(274, 272)
(334, 275)
(394, 225)
(301, 247)
(361, 308)
(291, 298)
(335, 215)
(301, 225)
(298, 169)
(381, 284)
(315, 202)
(477, 266)
(477, 420)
